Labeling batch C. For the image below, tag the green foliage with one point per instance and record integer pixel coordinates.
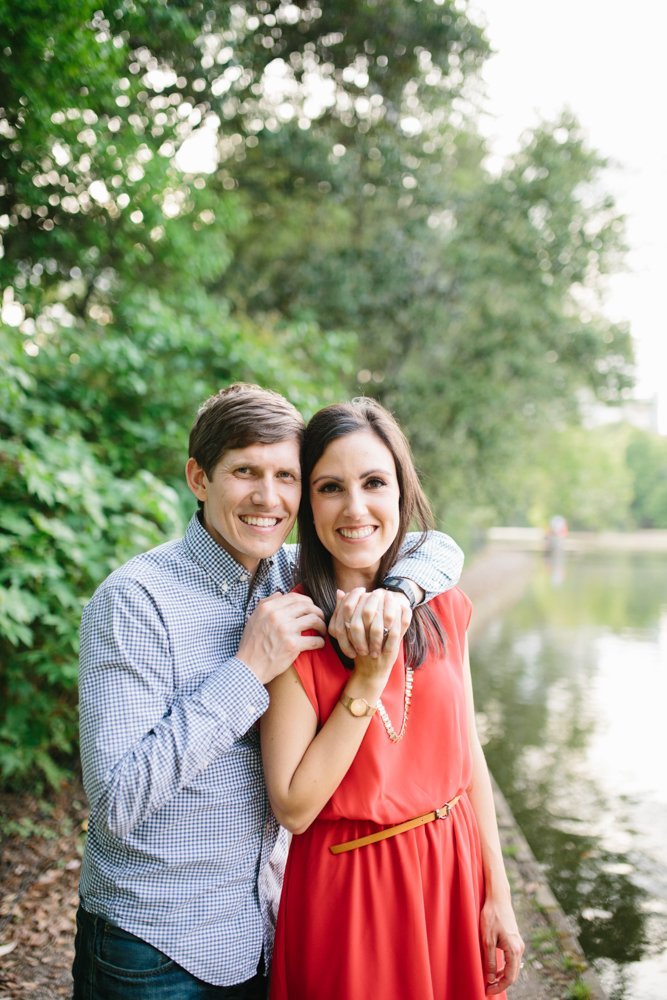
(580, 991)
(583, 475)
(647, 462)
(609, 478)
(66, 521)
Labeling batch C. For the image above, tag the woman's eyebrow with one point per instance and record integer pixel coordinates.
(363, 475)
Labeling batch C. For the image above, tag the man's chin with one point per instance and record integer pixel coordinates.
(266, 548)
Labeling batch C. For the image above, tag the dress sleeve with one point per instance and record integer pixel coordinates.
(454, 609)
(305, 669)
(465, 606)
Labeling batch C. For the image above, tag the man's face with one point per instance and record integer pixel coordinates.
(252, 499)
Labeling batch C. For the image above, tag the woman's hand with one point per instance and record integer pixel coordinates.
(500, 933)
(363, 620)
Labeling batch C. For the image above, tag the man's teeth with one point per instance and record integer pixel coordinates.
(261, 522)
(357, 532)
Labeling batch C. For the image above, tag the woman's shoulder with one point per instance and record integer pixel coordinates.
(453, 605)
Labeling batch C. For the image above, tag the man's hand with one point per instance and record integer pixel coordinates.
(273, 636)
(362, 620)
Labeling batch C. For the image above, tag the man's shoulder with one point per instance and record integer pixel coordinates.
(145, 570)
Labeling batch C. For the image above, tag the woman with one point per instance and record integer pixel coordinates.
(355, 749)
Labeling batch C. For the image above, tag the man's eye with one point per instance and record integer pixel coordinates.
(287, 475)
(243, 470)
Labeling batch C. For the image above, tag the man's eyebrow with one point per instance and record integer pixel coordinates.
(294, 470)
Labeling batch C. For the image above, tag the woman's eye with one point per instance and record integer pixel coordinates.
(329, 488)
(375, 484)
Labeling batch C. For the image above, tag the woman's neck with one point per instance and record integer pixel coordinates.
(347, 579)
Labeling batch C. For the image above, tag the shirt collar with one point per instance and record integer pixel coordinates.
(222, 568)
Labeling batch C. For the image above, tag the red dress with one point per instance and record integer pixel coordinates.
(397, 919)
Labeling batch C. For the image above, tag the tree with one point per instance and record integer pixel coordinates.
(476, 298)
(110, 336)
(647, 461)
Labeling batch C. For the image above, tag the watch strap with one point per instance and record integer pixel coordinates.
(401, 586)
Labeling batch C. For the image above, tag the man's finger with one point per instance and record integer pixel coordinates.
(311, 621)
(310, 642)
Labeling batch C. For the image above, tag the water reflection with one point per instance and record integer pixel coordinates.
(571, 687)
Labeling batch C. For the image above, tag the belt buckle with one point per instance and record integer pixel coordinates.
(444, 811)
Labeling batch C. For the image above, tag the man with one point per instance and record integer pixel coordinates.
(176, 647)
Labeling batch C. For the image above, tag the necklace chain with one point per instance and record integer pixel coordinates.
(382, 711)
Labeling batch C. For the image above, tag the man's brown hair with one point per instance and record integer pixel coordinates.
(238, 416)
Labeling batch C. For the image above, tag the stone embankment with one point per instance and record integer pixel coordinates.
(534, 540)
(554, 965)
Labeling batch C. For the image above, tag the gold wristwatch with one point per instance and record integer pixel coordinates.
(358, 707)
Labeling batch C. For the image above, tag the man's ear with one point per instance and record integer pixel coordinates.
(196, 478)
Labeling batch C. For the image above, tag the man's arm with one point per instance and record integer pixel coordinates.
(141, 743)
(434, 566)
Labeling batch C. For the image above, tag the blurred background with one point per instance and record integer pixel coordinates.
(452, 207)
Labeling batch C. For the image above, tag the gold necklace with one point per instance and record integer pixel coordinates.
(382, 711)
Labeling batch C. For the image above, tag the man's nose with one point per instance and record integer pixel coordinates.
(265, 493)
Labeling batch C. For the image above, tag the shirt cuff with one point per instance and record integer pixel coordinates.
(237, 694)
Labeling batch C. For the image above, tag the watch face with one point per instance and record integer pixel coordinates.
(401, 587)
(358, 707)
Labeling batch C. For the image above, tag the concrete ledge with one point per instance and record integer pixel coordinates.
(534, 540)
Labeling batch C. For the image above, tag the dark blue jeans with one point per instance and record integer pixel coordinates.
(111, 964)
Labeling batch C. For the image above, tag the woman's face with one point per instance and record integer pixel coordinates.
(354, 497)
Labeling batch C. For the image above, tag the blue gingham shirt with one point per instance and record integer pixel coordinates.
(182, 848)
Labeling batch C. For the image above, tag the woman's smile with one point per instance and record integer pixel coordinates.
(354, 534)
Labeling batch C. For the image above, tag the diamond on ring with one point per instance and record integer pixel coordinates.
(385, 632)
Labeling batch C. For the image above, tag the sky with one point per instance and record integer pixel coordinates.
(605, 61)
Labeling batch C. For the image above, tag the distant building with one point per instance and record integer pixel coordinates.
(640, 413)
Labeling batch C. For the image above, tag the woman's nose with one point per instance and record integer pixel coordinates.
(355, 504)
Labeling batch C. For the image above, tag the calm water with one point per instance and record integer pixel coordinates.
(571, 687)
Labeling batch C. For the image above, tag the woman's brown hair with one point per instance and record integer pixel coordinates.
(315, 566)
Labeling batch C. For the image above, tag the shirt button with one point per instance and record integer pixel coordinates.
(224, 587)
(251, 709)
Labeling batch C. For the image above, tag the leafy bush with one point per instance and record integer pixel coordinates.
(66, 522)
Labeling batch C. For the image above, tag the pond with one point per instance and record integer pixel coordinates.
(571, 691)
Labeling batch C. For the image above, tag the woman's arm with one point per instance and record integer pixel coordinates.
(498, 923)
(303, 767)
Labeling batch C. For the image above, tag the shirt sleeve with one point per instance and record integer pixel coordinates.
(435, 564)
(140, 743)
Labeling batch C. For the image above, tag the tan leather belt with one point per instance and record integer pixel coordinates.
(393, 831)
